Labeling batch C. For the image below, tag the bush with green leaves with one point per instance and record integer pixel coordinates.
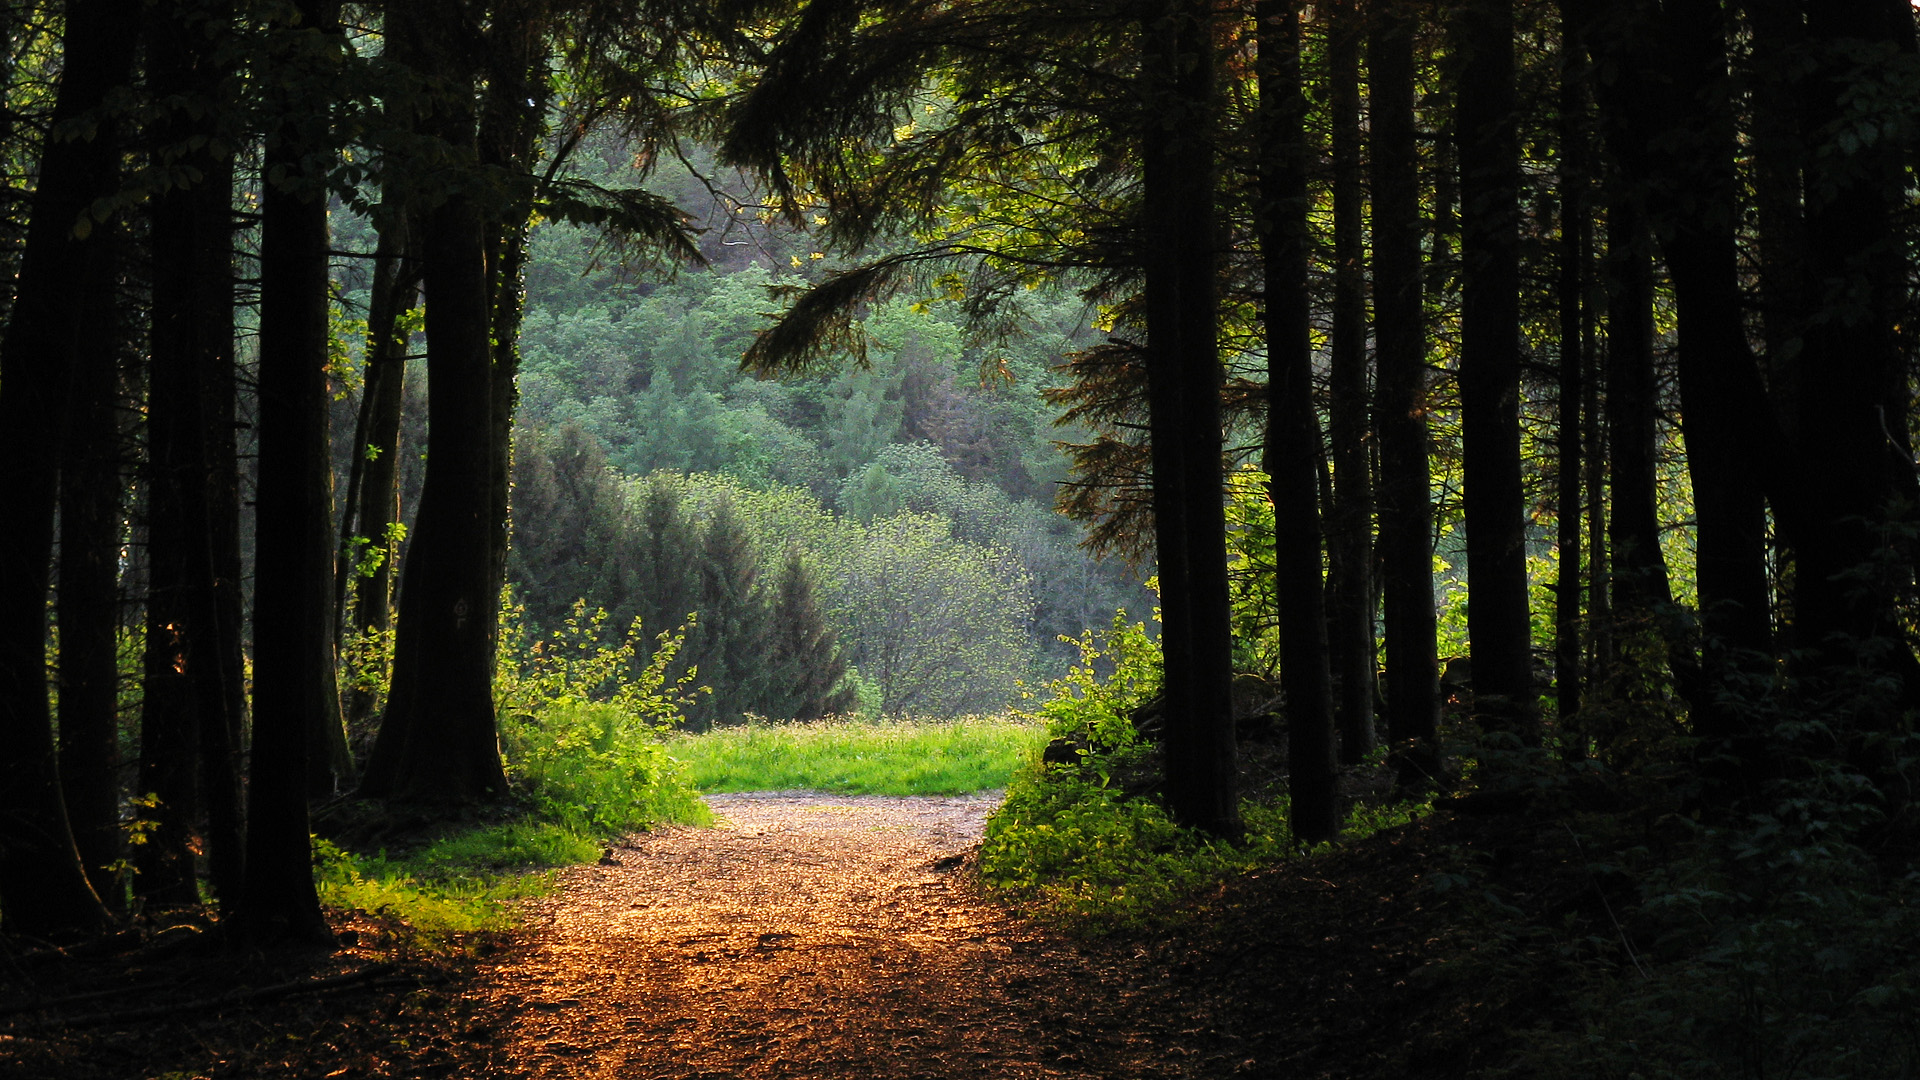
(1074, 841)
(1069, 841)
(581, 725)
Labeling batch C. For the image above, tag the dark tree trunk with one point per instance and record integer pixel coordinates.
(1599, 572)
(509, 126)
(1671, 130)
(1570, 434)
(1639, 569)
(91, 515)
(43, 886)
(294, 693)
(1350, 598)
(1495, 503)
(1183, 390)
(1849, 453)
(194, 698)
(437, 740)
(1777, 133)
(1406, 506)
(1723, 406)
(1292, 452)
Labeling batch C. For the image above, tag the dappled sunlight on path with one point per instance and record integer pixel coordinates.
(809, 936)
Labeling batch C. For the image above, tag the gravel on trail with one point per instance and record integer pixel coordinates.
(807, 936)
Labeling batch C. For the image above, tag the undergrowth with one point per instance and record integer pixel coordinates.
(1072, 842)
(861, 757)
(581, 727)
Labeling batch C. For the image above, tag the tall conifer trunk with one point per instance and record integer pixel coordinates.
(1350, 594)
(1850, 451)
(1292, 452)
(509, 126)
(294, 693)
(1497, 611)
(1570, 295)
(88, 612)
(363, 602)
(43, 886)
(437, 739)
(1639, 567)
(1406, 507)
(1183, 389)
(193, 704)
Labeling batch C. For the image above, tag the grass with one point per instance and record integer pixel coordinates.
(589, 775)
(890, 757)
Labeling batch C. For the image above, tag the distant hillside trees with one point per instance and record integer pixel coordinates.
(795, 609)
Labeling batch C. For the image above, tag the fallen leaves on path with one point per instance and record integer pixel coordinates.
(807, 936)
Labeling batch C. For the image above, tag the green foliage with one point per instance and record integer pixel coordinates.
(580, 726)
(861, 757)
(1080, 850)
(1095, 713)
(1075, 842)
(1769, 949)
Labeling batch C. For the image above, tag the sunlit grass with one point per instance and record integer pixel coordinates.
(891, 757)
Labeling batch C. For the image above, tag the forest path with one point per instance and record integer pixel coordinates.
(810, 936)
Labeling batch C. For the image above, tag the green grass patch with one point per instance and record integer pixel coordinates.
(858, 757)
(433, 903)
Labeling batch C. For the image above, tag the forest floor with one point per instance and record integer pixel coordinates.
(838, 938)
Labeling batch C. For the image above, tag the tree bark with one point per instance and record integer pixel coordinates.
(1849, 453)
(1406, 493)
(1495, 503)
(193, 705)
(1350, 596)
(437, 740)
(1639, 567)
(294, 695)
(43, 886)
(509, 127)
(1292, 452)
(88, 611)
(1183, 390)
(1573, 180)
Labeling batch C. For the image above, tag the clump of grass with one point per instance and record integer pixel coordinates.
(434, 904)
(862, 757)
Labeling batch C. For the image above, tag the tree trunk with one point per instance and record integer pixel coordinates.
(88, 612)
(1406, 498)
(1350, 597)
(1571, 292)
(1497, 613)
(509, 127)
(294, 696)
(193, 703)
(43, 885)
(1183, 391)
(1850, 454)
(437, 739)
(1292, 451)
(1639, 568)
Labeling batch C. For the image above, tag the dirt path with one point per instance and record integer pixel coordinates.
(809, 937)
